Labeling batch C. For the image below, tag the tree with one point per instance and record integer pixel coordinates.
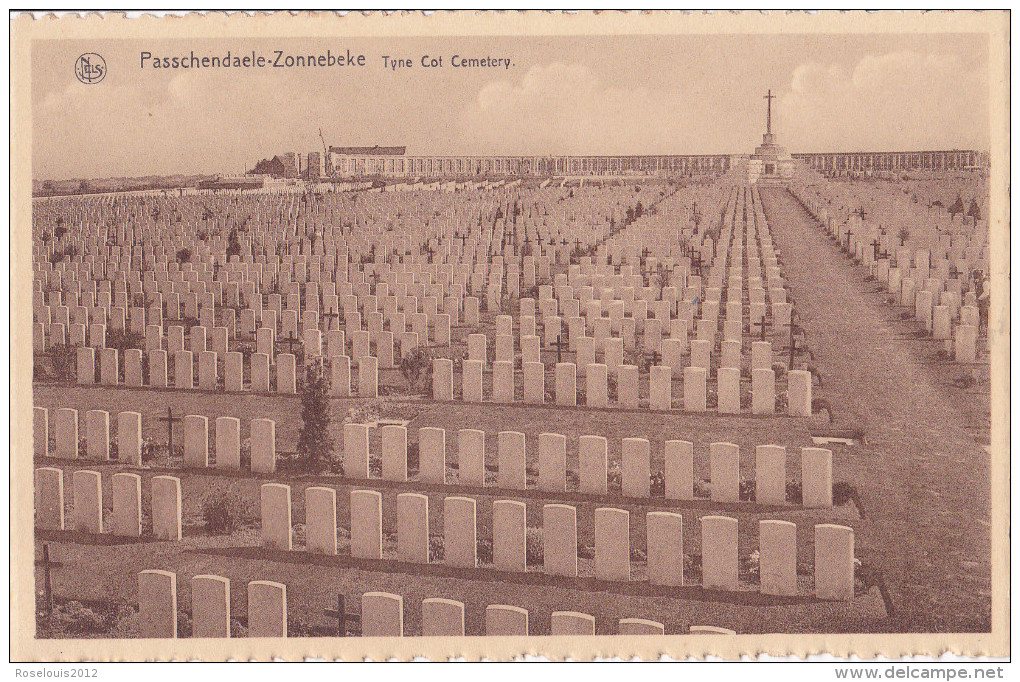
(974, 211)
(957, 207)
(315, 442)
(904, 235)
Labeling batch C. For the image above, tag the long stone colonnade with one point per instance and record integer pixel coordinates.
(849, 162)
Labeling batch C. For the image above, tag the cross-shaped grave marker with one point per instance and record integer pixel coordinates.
(340, 615)
(48, 566)
(760, 323)
(170, 420)
(559, 348)
(329, 316)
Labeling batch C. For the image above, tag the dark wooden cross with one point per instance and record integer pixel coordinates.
(875, 245)
(47, 567)
(462, 238)
(655, 359)
(338, 613)
(559, 348)
(290, 339)
(329, 316)
(861, 213)
(760, 323)
(170, 420)
(794, 328)
(577, 244)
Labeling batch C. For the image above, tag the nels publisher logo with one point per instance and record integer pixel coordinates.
(90, 68)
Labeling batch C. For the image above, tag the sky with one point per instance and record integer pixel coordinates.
(561, 95)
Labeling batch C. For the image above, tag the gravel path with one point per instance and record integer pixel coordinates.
(923, 477)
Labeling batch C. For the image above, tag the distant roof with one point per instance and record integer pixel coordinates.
(369, 151)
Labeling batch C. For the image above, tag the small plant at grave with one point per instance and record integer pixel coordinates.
(613, 388)
(413, 456)
(794, 492)
(244, 454)
(750, 567)
(73, 618)
(903, 235)
(416, 368)
(866, 576)
(943, 355)
(224, 511)
(184, 255)
(745, 491)
(746, 399)
(702, 488)
(437, 550)
(782, 401)
(663, 276)
(534, 547)
(64, 360)
(586, 552)
(819, 404)
(124, 339)
(657, 484)
(483, 550)
(150, 450)
(638, 554)
(614, 476)
(692, 565)
(842, 492)
(315, 442)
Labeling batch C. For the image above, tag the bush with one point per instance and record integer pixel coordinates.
(416, 368)
(534, 550)
(65, 360)
(745, 492)
(315, 442)
(224, 512)
(794, 492)
(638, 554)
(657, 484)
(751, 566)
(484, 551)
(842, 492)
(74, 618)
(184, 255)
(436, 548)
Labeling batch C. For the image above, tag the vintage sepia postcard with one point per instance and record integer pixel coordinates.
(501, 333)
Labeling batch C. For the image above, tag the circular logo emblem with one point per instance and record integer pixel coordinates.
(90, 68)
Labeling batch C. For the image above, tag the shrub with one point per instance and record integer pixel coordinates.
(702, 488)
(638, 554)
(484, 551)
(224, 511)
(794, 492)
(534, 551)
(657, 484)
(751, 566)
(315, 442)
(65, 360)
(74, 618)
(184, 255)
(436, 548)
(416, 368)
(745, 491)
(842, 492)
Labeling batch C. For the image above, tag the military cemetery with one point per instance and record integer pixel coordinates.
(362, 393)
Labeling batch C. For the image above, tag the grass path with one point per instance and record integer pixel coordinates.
(924, 475)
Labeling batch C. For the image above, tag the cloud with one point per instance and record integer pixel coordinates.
(567, 109)
(901, 100)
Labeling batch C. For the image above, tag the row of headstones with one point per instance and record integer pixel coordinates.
(88, 512)
(695, 386)
(129, 439)
(939, 320)
(834, 558)
(382, 613)
(937, 314)
(612, 348)
(262, 378)
(593, 471)
(593, 467)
